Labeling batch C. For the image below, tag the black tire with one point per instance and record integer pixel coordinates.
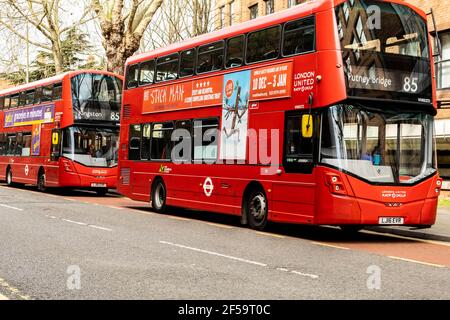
(351, 229)
(9, 178)
(256, 209)
(102, 192)
(41, 182)
(159, 195)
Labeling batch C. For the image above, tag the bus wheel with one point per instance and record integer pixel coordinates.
(256, 209)
(41, 182)
(9, 178)
(102, 192)
(159, 195)
(351, 229)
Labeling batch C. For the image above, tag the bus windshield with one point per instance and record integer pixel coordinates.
(385, 49)
(379, 145)
(96, 97)
(92, 147)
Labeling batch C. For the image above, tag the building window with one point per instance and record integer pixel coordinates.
(443, 64)
(253, 11)
(222, 17)
(232, 12)
(270, 7)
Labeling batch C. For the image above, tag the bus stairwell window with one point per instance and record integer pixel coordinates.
(299, 37)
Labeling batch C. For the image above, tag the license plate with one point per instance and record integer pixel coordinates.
(391, 220)
(98, 185)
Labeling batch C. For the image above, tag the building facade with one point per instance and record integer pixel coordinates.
(230, 12)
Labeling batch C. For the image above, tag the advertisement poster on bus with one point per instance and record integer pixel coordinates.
(35, 139)
(236, 96)
(30, 116)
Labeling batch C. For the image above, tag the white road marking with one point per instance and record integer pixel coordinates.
(282, 269)
(100, 228)
(329, 245)
(10, 207)
(115, 207)
(416, 261)
(215, 254)
(75, 222)
(313, 276)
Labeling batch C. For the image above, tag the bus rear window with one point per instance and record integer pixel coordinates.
(263, 45)
(210, 57)
(299, 37)
(167, 68)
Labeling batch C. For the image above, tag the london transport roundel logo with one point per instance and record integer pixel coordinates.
(208, 187)
(229, 88)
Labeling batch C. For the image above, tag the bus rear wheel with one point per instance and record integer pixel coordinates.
(41, 182)
(159, 195)
(9, 178)
(256, 208)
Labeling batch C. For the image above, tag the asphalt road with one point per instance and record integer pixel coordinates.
(75, 245)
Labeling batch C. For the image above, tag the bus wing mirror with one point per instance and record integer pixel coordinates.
(307, 126)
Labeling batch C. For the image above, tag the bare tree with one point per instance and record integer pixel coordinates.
(179, 20)
(123, 24)
(47, 18)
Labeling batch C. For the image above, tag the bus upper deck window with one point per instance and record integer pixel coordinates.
(57, 91)
(132, 78)
(147, 73)
(210, 57)
(187, 62)
(235, 52)
(299, 37)
(263, 45)
(167, 68)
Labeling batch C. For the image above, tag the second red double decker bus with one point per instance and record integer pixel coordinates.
(62, 131)
(320, 114)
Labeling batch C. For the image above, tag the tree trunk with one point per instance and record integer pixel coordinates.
(57, 57)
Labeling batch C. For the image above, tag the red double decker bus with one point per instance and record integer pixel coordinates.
(320, 114)
(62, 131)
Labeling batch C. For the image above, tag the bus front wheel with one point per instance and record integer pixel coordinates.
(257, 209)
(159, 195)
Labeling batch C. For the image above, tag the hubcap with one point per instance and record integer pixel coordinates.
(159, 195)
(258, 207)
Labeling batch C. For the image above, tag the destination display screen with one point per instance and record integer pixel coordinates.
(385, 51)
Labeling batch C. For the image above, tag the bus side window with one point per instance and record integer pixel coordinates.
(47, 93)
(26, 144)
(206, 131)
(299, 37)
(183, 140)
(29, 98)
(134, 148)
(7, 102)
(235, 52)
(187, 62)
(22, 99)
(132, 78)
(210, 57)
(167, 68)
(57, 91)
(161, 144)
(38, 95)
(3, 144)
(14, 101)
(11, 145)
(263, 45)
(19, 144)
(2, 102)
(299, 148)
(147, 73)
(145, 141)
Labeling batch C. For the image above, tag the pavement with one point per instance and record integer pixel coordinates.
(439, 232)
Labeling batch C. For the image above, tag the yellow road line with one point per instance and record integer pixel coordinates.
(2, 297)
(419, 262)
(224, 226)
(329, 245)
(440, 243)
(16, 292)
(270, 234)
